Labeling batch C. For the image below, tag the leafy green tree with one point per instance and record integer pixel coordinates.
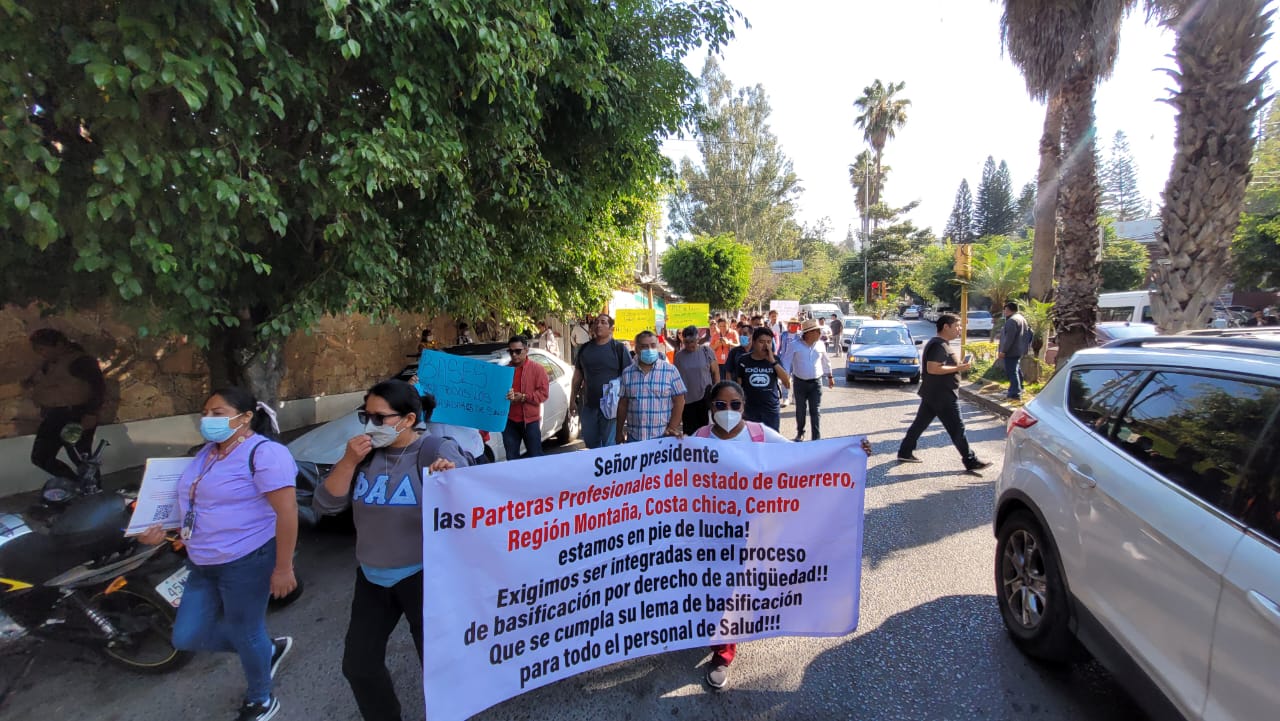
(1027, 210)
(1124, 264)
(934, 277)
(1119, 177)
(715, 270)
(1255, 251)
(892, 254)
(1001, 269)
(996, 210)
(818, 282)
(960, 222)
(744, 184)
(240, 169)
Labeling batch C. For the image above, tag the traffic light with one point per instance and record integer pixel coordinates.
(964, 260)
(875, 285)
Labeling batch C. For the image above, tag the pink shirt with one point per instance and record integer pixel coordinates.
(233, 516)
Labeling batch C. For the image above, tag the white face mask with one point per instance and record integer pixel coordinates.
(727, 420)
(381, 436)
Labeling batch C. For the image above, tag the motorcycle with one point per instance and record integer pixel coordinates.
(78, 579)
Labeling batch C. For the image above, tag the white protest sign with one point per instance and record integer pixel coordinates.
(158, 496)
(787, 309)
(565, 563)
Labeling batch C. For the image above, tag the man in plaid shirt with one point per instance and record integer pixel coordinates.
(651, 395)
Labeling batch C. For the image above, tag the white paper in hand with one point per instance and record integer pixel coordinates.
(158, 497)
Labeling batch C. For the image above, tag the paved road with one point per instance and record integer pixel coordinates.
(930, 644)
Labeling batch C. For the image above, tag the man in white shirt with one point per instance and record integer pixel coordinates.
(547, 339)
(808, 365)
(580, 335)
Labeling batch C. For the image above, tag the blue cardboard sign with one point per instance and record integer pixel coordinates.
(468, 392)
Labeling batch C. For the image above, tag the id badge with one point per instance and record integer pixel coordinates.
(188, 525)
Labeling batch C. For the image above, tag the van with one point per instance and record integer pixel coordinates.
(1133, 306)
(821, 311)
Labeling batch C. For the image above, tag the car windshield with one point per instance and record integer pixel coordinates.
(882, 336)
(979, 314)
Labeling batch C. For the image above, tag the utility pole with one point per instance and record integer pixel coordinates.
(866, 230)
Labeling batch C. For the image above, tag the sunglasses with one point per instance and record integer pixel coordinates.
(377, 418)
(727, 405)
(515, 351)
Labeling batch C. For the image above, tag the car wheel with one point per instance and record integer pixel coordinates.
(571, 428)
(914, 379)
(848, 378)
(1030, 590)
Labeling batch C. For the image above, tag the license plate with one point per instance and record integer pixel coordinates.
(882, 369)
(171, 588)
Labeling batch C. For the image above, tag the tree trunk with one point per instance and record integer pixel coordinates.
(1217, 103)
(237, 357)
(1076, 300)
(1046, 222)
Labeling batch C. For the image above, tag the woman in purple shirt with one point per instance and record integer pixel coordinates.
(240, 525)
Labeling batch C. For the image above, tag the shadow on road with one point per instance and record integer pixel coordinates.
(901, 526)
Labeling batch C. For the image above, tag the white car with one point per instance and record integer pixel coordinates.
(851, 325)
(1137, 519)
(911, 312)
(319, 449)
(980, 322)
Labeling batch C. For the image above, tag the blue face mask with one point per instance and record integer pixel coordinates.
(649, 356)
(217, 429)
(745, 340)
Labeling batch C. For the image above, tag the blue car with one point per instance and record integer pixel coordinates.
(883, 349)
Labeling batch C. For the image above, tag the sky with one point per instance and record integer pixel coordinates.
(968, 101)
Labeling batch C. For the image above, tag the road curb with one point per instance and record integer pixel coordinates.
(986, 403)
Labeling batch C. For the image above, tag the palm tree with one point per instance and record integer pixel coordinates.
(1063, 50)
(881, 114)
(1217, 100)
(862, 170)
(999, 273)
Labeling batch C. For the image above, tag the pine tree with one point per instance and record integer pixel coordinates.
(1027, 208)
(1119, 177)
(996, 213)
(960, 223)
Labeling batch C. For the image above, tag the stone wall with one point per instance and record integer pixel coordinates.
(155, 377)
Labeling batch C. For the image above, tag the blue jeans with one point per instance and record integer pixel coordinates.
(224, 609)
(1013, 369)
(597, 431)
(771, 417)
(515, 432)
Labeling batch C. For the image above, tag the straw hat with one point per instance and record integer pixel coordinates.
(811, 324)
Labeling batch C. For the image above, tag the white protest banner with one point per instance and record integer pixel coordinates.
(787, 309)
(565, 563)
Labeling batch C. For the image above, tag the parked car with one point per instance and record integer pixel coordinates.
(883, 349)
(1117, 330)
(911, 312)
(319, 449)
(980, 323)
(851, 325)
(1137, 519)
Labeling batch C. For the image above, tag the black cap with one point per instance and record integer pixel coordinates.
(690, 331)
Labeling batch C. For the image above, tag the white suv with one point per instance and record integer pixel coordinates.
(1137, 518)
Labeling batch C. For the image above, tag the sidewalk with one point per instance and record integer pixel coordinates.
(994, 402)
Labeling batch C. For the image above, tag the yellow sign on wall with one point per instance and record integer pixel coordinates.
(631, 321)
(681, 315)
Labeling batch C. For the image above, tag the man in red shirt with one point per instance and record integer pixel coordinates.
(529, 390)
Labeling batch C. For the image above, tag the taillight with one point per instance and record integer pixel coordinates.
(1020, 419)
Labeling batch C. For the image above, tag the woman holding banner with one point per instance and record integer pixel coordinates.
(727, 424)
(385, 465)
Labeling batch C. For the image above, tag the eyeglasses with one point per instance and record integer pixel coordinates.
(727, 405)
(377, 418)
(515, 351)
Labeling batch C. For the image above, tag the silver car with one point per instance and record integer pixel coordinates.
(1137, 520)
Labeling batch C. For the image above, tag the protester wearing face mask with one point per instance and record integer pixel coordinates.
(651, 396)
(385, 465)
(240, 525)
(742, 346)
(728, 401)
